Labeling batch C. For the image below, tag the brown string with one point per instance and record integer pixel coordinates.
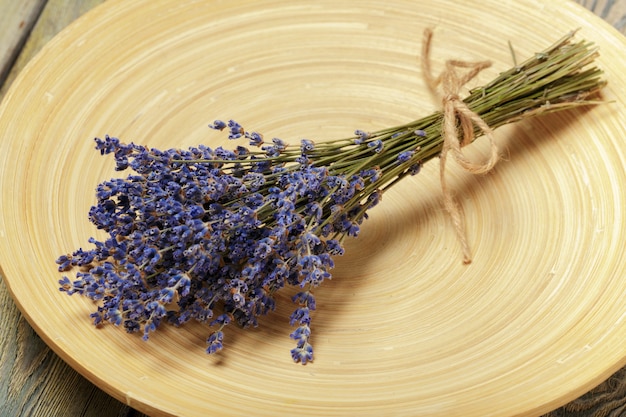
(456, 112)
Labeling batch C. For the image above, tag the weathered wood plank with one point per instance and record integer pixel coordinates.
(613, 11)
(16, 20)
(56, 15)
(36, 382)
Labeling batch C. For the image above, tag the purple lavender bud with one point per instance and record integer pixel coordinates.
(218, 125)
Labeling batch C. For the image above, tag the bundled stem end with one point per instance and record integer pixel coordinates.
(552, 80)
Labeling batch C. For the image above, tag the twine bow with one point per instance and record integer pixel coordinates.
(456, 112)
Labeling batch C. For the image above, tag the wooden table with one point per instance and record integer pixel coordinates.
(36, 382)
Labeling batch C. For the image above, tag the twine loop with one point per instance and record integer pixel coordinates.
(456, 113)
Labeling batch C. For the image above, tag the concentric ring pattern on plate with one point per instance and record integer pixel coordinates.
(403, 328)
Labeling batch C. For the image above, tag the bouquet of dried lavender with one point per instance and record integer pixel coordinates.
(212, 234)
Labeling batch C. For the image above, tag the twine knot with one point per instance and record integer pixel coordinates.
(457, 113)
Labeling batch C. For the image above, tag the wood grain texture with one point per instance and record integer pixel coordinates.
(34, 381)
(16, 20)
(612, 11)
(56, 15)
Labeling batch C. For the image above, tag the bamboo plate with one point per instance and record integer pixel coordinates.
(404, 328)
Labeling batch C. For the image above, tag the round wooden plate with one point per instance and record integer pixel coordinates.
(404, 328)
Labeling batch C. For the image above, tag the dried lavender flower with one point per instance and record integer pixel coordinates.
(212, 234)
